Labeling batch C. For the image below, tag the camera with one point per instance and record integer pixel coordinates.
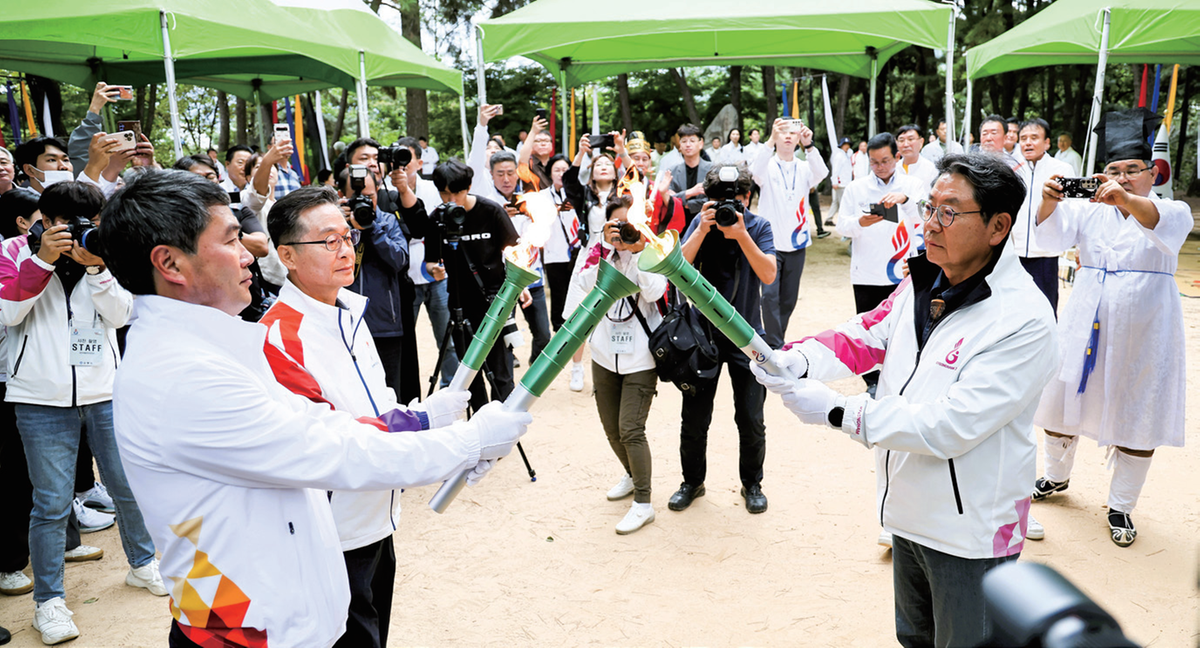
(724, 192)
(511, 334)
(450, 218)
(82, 230)
(127, 140)
(1079, 187)
(630, 234)
(361, 207)
(602, 142)
(542, 114)
(282, 133)
(395, 156)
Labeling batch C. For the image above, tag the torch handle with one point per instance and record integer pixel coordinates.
(761, 353)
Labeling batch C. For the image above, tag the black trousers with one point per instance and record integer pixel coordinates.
(17, 502)
(410, 368)
(748, 399)
(499, 361)
(866, 298)
(558, 281)
(1044, 271)
(372, 571)
(391, 352)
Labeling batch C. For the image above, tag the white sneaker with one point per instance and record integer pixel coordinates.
(91, 520)
(53, 620)
(576, 377)
(623, 489)
(98, 498)
(13, 583)
(147, 576)
(82, 553)
(885, 539)
(639, 515)
(1035, 530)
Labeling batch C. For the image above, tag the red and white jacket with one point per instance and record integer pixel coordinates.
(326, 354)
(952, 422)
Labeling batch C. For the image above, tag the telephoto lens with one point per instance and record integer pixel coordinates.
(629, 234)
(512, 334)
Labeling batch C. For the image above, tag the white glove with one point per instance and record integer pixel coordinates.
(792, 360)
(810, 400)
(443, 407)
(480, 470)
(498, 429)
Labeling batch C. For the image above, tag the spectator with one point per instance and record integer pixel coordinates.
(733, 153)
(953, 438)
(44, 161)
(1068, 154)
(737, 259)
(1035, 169)
(1012, 127)
(8, 171)
(235, 167)
(563, 244)
(911, 163)
(879, 248)
(536, 151)
(750, 150)
(859, 162)
(687, 179)
(60, 286)
(993, 134)
(287, 178)
(77, 144)
(235, 489)
(216, 160)
(325, 178)
(786, 183)
(843, 174)
(622, 367)
(944, 145)
(429, 158)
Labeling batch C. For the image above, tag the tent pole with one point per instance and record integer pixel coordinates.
(1097, 95)
(479, 69)
(950, 77)
(595, 109)
(364, 129)
(169, 63)
(566, 110)
(462, 115)
(874, 73)
(967, 114)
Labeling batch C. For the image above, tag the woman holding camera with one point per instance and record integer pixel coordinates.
(622, 367)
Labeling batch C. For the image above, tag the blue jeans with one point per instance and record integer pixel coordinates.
(939, 597)
(51, 438)
(433, 295)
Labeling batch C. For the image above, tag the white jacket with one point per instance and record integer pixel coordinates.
(230, 469)
(1024, 229)
(35, 308)
(653, 286)
(878, 251)
(952, 425)
(326, 354)
(783, 196)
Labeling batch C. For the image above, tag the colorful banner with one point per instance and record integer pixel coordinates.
(33, 131)
(1142, 92)
(1161, 153)
(13, 119)
(299, 144)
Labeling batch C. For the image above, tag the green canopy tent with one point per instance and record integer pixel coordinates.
(1087, 31)
(582, 42)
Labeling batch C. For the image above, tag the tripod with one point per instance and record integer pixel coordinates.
(461, 326)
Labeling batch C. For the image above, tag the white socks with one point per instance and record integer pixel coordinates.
(1060, 457)
(1129, 475)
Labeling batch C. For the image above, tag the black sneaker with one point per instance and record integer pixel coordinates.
(822, 234)
(756, 502)
(1044, 488)
(1121, 526)
(684, 497)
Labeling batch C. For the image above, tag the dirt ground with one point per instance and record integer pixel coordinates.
(515, 563)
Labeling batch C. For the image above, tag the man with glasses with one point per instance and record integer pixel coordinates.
(965, 345)
(879, 246)
(318, 348)
(1122, 376)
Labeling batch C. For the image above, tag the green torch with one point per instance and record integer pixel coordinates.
(611, 286)
(516, 279)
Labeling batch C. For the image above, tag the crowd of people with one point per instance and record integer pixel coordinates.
(270, 327)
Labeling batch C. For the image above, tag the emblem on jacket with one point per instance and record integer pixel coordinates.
(952, 358)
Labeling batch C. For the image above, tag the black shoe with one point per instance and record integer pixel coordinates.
(1121, 527)
(684, 496)
(756, 502)
(829, 222)
(1044, 488)
(5, 636)
(822, 234)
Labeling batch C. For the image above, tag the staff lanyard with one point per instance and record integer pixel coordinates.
(791, 191)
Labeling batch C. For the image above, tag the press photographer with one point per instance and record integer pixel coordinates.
(465, 243)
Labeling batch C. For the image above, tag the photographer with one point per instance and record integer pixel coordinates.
(622, 367)
(65, 307)
(785, 184)
(381, 259)
(879, 247)
(735, 250)
(466, 243)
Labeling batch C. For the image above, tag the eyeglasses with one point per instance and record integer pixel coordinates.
(333, 242)
(1131, 174)
(945, 214)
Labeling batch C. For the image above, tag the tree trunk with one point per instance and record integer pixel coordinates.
(240, 109)
(839, 115)
(223, 121)
(340, 124)
(1022, 100)
(920, 109)
(688, 101)
(151, 108)
(1083, 100)
(993, 87)
(735, 92)
(881, 89)
(1048, 110)
(770, 92)
(417, 102)
(623, 99)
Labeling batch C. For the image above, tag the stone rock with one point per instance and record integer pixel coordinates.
(721, 125)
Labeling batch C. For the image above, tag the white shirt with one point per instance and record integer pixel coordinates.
(1072, 158)
(427, 193)
(922, 170)
(563, 235)
(879, 250)
(783, 195)
(1024, 238)
(860, 165)
(429, 159)
(934, 151)
(843, 170)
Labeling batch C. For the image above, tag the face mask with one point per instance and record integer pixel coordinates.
(54, 177)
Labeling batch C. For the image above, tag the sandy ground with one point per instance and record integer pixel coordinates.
(515, 563)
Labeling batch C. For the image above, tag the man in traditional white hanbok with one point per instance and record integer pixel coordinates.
(1121, 379)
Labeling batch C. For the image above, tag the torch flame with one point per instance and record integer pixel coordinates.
(639, 212)
(542, 213)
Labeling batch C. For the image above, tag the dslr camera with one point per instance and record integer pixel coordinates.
(395, 157)
(449, 218)
(361, 207)
(724, 192)
(82, 230)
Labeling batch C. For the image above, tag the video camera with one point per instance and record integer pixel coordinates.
(725, 192)
(361, 207)
(395, 157)
(82, 230)
(449, 218)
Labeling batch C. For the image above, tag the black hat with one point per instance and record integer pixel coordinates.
(1125, 134)
(845, 141)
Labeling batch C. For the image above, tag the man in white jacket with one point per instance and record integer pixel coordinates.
(229, 466)
(1041, 263)
(965, 346)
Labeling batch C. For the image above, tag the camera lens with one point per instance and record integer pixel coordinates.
(727, 213)
(629, 234)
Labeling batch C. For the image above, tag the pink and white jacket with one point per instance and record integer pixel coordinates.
(952, 422)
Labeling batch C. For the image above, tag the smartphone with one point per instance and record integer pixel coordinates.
(131, 125)
(888, 213)
(124, 93)
(795, 125)
(282, 132)
(235, 197)
(1079, 187)
(499, 109)
(601, 142)
(127, 140)
(542, 114)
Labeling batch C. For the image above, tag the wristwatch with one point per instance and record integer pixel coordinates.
(836, 415)
(92, 270)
